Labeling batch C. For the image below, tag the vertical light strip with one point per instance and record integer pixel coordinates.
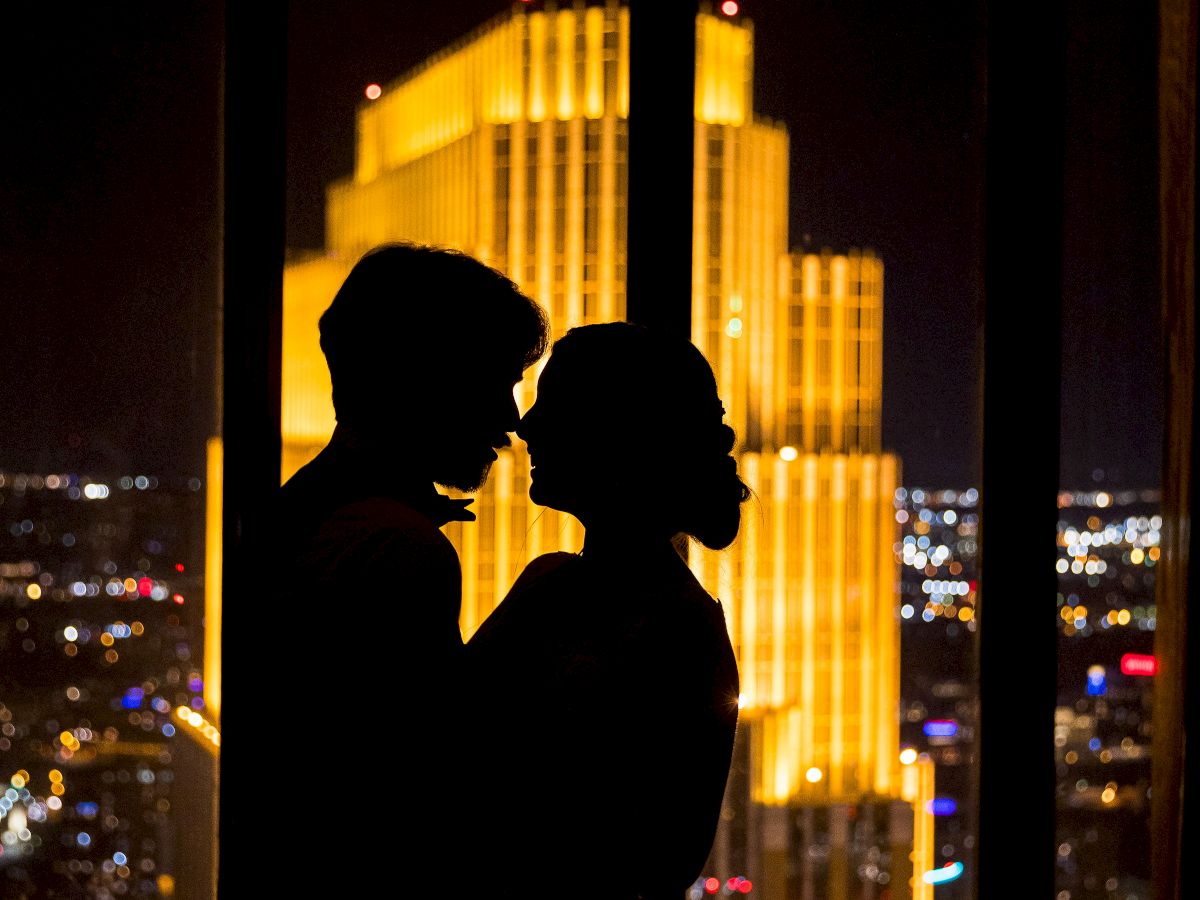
(572, 534)
(855, 401)
(543, 252)
(868, 577)
(727, 594)
(747, 546)
(213, 573)
(485, 205)
(514, 69)
(774, 760)
(784, 297)
(491, 73)
(469, 618)
(797, 755)
(700, 248)
(876, 345)
(606, 245)
(574, 209)
(730, 271)
(808, 593)
(533, 526)
(888, 635)
(518, 202)
(623, 62)
(745, 234)
(838, 376)
(746, 226)
(564, 51)
(502, 478)
(593, 67)
(810, 298)
(366, 157)
(783, 336)
(779, 581)
(721, 44)
(762, 280)
(537, 67)
(923, 830)
(838, 630)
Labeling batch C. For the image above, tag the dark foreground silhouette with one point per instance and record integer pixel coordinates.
(424, 348)
(604, 687)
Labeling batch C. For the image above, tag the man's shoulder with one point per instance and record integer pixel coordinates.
(375, 542)
(389, 523)
(319, 504)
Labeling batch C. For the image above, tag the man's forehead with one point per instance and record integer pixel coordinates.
(485, 362)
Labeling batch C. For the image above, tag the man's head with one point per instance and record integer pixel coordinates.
(424, 347)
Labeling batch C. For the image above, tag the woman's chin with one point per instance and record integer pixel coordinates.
(544, 495)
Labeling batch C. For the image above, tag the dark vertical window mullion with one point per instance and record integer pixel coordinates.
(253, 191)
(1023, 250)
(662, 65)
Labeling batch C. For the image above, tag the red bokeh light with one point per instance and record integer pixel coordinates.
(1139, 664)
(729, 7)
(373, 92)
(712, 885)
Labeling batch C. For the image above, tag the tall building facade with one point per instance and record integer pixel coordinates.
(512, 146)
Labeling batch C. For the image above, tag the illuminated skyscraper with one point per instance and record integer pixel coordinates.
(512, 146)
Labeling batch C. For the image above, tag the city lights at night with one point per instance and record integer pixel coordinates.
(832, 145)
(89, 576)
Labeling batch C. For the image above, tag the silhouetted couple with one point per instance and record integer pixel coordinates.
(578, 745)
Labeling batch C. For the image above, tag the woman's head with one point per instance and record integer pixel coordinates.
(628, 425)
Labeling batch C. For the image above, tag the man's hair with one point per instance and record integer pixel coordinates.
(408, 312)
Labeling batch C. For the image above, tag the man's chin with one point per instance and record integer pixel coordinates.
(465, 476)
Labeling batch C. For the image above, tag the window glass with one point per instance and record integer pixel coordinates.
(1109, 527)
(837, 227)
(108, 720)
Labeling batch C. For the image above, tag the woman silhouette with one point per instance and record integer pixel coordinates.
(606, 683)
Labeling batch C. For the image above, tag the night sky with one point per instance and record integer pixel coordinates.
(109, 230)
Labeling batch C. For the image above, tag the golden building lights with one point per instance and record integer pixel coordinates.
(511, 146)
(917, 789)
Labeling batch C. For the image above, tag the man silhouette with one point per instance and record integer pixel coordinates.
(425, 347)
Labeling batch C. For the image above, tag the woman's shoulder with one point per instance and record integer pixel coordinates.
(544, 565)
(526, 602)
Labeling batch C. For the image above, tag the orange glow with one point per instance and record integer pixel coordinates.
(200, 729)
(213, 573)
(510, 147)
